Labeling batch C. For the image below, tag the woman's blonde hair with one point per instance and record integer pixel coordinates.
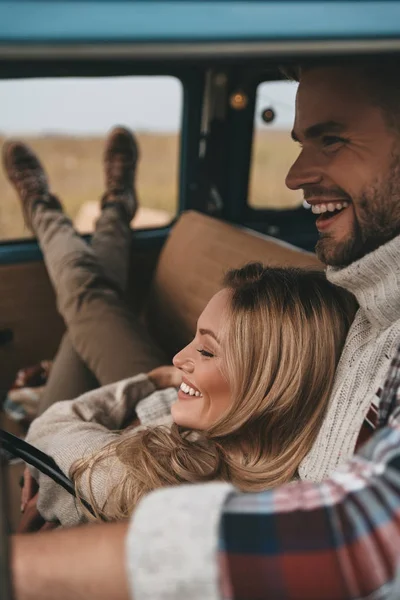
(285, 329)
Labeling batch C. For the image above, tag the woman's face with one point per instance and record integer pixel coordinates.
(204, 394)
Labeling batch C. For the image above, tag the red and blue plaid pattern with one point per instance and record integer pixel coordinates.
(336, 540)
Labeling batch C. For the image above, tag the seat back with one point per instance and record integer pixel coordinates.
(199, 250)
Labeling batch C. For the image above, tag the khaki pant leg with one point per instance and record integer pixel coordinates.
(106, 335)
(70, 377)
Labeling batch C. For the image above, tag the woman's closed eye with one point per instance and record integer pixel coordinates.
(205, 353)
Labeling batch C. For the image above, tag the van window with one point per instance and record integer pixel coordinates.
(66, 120)
(273, 149)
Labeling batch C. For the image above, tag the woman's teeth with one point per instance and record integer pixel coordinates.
(318, 209)
(189, 390)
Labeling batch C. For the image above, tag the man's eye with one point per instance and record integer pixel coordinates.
(205, 353)
(330, 140)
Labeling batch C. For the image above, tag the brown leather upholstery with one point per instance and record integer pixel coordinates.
(28, 308)
(198, 252)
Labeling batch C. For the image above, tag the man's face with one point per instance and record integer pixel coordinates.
(349, 164)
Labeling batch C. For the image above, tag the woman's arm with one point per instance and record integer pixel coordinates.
(107, 407)
(70, 430)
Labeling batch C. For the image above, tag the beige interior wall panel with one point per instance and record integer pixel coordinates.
(27, 307)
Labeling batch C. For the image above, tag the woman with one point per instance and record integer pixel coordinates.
(255, 384)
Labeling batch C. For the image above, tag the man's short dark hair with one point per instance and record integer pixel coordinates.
(381, 74)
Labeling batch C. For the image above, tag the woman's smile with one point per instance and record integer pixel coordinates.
(187, 390)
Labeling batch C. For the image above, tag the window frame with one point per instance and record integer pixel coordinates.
(22, 250)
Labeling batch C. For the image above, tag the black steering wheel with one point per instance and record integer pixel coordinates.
(38, 459)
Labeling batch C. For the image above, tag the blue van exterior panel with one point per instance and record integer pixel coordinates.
(124, 21)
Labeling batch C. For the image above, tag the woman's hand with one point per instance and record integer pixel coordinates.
(29, 489)
(165, 377)
(31, 519)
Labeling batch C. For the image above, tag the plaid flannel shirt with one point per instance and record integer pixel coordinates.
(336, 540)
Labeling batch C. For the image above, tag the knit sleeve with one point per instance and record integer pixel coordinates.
(156, 408)
(172, 543)
(71, 430)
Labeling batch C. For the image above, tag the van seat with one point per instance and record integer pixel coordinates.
(199, 250)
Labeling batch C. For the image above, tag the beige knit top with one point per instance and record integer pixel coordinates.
(72, 429)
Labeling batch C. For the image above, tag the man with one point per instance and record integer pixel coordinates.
(348, 126)
(305, 540)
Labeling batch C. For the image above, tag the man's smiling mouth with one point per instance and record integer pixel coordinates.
(328, 207)
(327, 210)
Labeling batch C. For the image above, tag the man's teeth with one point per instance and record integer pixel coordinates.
(189, 390)
(317, 209)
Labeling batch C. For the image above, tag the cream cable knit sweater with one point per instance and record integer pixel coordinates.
(370, 344)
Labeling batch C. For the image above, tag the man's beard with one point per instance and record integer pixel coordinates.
(377, 222)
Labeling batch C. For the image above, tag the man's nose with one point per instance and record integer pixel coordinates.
(184, 360)
(304, 171)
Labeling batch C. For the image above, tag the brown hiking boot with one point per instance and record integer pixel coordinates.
(120, 159)
(27, 175)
